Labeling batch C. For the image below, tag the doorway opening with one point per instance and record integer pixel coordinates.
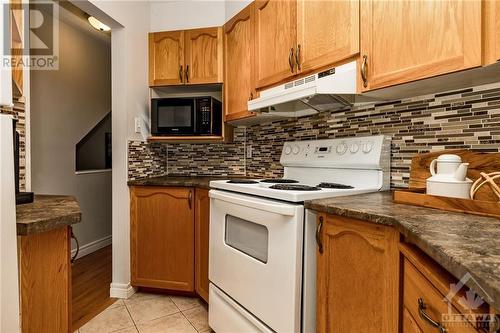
(71, 149)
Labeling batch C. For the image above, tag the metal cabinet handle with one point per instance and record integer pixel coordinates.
(190, 199)
(290, 59)
(297, 58)
(426, 317)
(318, 235)
(77, 247)
(187, 73)
(180, 73)
(363, 71)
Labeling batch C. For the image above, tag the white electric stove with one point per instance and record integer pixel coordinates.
(262, 258)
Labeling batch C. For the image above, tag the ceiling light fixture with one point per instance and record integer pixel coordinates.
(98, 24)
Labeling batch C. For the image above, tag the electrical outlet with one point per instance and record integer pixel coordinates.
(249, 151)
(137, 124)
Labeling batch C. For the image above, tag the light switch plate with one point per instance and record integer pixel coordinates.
(137, 121)
(249, 151)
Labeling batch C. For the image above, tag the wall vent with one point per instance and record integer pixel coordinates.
(310, 78)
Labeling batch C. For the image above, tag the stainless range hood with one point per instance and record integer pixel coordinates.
(332, 89)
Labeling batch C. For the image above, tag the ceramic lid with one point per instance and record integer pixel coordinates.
(449, 158)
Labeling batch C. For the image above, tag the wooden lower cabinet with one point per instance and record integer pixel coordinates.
(45, 281)
(169, 229)
(201, 232)
(162, 237)
(425, 289)
(357, 276)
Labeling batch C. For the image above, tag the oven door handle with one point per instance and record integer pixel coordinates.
(282, 209)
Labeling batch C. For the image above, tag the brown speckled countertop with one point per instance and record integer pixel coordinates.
(460, 243)
(47, 212)
(184, 181)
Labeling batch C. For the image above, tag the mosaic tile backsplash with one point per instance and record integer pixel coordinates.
(18, 111)
(465, 119)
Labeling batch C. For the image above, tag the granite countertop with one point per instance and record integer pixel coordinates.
(47, 212)
(185, 181)
(460, 243)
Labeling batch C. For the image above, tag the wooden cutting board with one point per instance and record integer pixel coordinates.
(478, 162)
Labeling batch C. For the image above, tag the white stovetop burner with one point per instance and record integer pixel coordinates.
(362, 163)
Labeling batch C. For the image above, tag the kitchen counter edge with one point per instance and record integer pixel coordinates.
(46, 213)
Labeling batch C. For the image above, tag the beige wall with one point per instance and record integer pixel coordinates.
(65, 105)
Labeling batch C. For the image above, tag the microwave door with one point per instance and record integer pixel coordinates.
(175, 116)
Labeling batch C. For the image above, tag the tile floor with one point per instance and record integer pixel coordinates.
(151, 313)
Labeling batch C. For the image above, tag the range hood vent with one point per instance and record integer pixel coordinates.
(333, 89)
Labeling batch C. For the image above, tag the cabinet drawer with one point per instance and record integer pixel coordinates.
(416, 287)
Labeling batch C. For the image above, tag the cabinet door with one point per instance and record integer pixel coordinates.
(327, 32)
(166, 58)
(275, 40)
(497, 30)
(491, 33)
(408, 40)
(203, 56)
(202, 226)
(357, 276)
(162, 237)
(239, 66)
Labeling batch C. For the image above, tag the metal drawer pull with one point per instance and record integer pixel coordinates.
(187, 73)
(297, 57)
(426, 317)
(77, 246)
(190, 199)
(180, 73)
(363, 71)
(290, 59)
(318, 235)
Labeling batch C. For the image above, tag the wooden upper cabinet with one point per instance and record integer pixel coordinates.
(497, 30)
(275, 40)
(408, 40)
(239, 65)
(162, 237)
(491, 24)
(203, 56)
(327, 32)
(166, 58)
(357, 276)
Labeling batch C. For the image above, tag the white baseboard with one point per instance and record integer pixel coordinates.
(92, 247)
(121, 290)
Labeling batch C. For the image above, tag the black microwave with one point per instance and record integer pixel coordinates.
(186, 116)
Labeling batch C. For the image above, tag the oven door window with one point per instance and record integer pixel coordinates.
(247, 237)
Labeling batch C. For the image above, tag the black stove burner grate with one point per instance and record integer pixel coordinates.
(335, 186)
(293, 187)
(279, 181)
(242, 181)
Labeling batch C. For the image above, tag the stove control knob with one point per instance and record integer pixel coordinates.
(341, 148)
(295, 150)
(354, 148)
(367, 147)
(288, 150)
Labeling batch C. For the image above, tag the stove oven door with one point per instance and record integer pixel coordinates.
(256, 258)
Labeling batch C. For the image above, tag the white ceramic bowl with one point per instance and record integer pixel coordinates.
(457, 189)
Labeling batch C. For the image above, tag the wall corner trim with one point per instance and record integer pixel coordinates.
(121, 290)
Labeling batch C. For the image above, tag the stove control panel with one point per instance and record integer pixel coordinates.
(355, 152)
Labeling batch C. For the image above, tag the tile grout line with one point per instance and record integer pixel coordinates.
(190, 323)
(130, 315)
